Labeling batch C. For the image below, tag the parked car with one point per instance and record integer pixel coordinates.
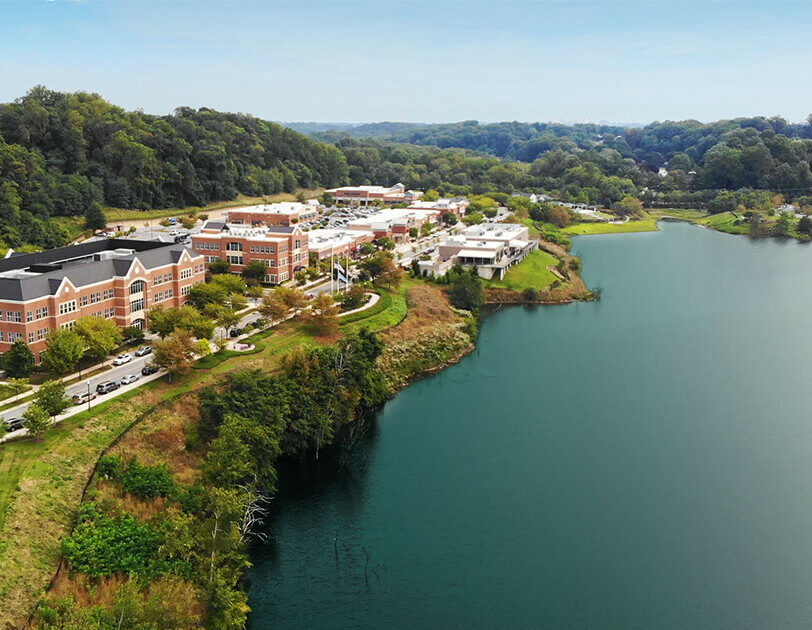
(130, 378)
(13, 424)
(235, 332)
(149, 368)
(122, 359)
(80, 399)
(107, 386)
(143, 351)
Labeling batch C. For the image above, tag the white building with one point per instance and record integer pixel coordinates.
(490, 247)
(337, 241)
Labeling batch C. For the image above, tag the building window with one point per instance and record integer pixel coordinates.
(283, 262)
(41, 334)
(137, 287)
(185, 274)
(29, 316)
(297, 257)
(234, 260)
(108, 294)
(83, 300)
(270, 263)
(42, 312)
(211, 259)
(185, 290)
(95, 297)
(234, 247)
(67, 307)
(283, 276)
(271, 277)
(2, 335)
(109, 312)
(297, 244)
(137, 305)
(31, 337)
(68, 325)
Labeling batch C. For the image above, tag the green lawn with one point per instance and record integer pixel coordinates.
(124, 214)
(725, 222)
(581, 229)
(531, 225)
(680, 213)
(389, 311)
(531, 272)
(5, 393)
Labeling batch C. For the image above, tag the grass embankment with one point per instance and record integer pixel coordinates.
(41, 483)
(583, 229)
(531, 272)
(7, 393)
(723, 222)
(431, 335)
(117, 215)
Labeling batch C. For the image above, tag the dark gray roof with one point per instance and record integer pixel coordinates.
(214, 225)
(80, 265)
(282, 229)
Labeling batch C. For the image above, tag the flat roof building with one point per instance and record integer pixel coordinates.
(366, 195)
(490, 247)
(455, 205)
(282, 249)
(282, 213)
(114, 278)
(337, 242)
(394, 222)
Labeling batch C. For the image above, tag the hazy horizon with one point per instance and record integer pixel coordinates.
(416, 61)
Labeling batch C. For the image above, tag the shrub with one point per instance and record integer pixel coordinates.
(108, 466)
(146, 482)
(102, 545)
(530, 295)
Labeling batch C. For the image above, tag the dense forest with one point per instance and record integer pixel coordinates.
(589, 163)
(61, 154)
(69, 155)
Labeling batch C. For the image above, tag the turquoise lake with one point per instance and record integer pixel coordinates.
(640, 462)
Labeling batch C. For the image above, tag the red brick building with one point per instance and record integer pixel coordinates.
(282, 249)
(116, 279)
(367, 195)
(284, 213)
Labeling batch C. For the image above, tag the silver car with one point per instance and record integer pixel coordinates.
(130, 378)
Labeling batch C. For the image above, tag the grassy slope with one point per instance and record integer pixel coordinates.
(644, 225)
(123, 214)
(531, 272)
(41, 483)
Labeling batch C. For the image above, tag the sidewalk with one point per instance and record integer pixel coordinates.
(75, 409)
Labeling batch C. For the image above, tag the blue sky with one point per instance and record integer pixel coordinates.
(418, 61)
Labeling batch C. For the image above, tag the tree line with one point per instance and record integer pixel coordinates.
(67, 154)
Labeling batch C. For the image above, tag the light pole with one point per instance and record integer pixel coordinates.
(88, 396)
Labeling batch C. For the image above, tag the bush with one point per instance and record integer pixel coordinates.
(530, 295)
(108, 466)
(146, 482)
(102, 545)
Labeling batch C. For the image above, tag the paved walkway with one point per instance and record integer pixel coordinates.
(373, 299)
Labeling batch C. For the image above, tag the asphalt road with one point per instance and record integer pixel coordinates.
(115, 373)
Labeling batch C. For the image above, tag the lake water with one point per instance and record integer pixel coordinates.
(640, 462)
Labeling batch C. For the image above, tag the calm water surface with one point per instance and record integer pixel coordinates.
(641, 462)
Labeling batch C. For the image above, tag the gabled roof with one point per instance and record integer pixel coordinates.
(30, 276)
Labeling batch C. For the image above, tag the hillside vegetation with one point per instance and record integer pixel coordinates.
(65, 155)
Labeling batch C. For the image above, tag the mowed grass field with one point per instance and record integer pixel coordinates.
(123, 214)
(531, 272)
(583, 229)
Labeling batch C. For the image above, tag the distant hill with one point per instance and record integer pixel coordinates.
(65, 154)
